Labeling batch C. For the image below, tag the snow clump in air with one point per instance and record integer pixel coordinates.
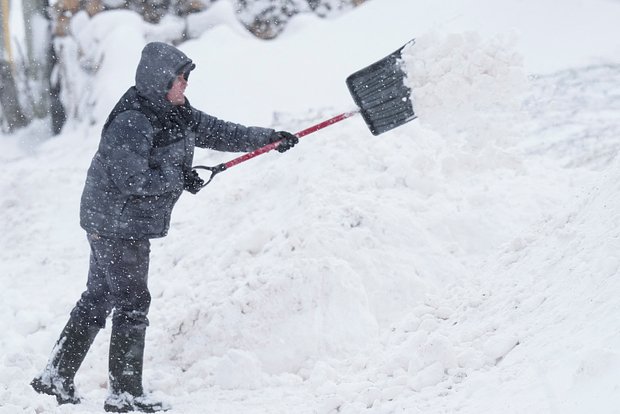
(456, 79)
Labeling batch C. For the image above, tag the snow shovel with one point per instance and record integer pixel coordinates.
(378, 90)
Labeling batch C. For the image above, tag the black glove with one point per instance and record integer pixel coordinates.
(192, 181)
(288, 140)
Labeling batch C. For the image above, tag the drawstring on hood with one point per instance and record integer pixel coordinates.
(159, 65)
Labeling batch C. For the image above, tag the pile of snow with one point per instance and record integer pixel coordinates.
(285, 294)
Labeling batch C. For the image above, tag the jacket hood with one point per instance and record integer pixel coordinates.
(159, 65)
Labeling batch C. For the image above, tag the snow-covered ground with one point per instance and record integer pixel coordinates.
(465, 262)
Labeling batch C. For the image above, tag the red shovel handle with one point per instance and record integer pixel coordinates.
(300, 134)
(222, 167)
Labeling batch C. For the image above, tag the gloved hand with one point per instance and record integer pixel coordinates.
(288, 140)
(192, 181)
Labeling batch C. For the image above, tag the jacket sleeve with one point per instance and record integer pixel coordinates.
(219, 135)
(126, 148)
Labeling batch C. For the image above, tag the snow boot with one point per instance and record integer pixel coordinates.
(61, 388)
(67, 356)
(125, 373)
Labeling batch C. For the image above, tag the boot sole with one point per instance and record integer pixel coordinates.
(114, 409)
(129, 409)
(111, 408)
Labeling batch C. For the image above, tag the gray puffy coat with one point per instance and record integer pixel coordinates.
(136, 175)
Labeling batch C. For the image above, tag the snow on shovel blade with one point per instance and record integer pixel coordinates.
(380, 92)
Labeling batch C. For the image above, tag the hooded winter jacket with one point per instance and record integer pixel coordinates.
(136, 175)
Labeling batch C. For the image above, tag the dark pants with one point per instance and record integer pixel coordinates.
(117, 279)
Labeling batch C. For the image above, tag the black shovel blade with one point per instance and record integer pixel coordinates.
(380, 92)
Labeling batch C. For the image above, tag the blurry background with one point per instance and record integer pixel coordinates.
(38, 45)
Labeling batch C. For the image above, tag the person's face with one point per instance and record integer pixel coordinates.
(176, 94)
